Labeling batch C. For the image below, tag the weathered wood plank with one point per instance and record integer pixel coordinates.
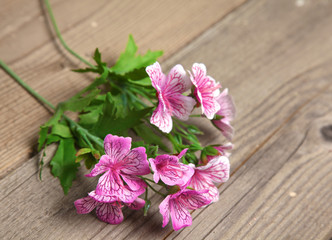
(27, 45)
(277, 98)
(283, 191)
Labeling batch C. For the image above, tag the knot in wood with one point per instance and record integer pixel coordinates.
(327, 132)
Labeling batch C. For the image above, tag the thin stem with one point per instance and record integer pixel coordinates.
(196, 115)
(50, 12)
(152, 188)
(25, 86)
(43, 100)
(88, 134)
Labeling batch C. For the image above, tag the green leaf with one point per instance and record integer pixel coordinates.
(193, 129)
(93, 111)
(52, 139)
(42, 137)
(150, 137)
(62, 131)
(63, 163)
(129, 61)
(190, 158)
(145, 82)
(55, 118)
(110, 122)
(76, 104)
(83, 151)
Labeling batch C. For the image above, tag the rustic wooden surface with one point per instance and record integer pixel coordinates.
(274, 56)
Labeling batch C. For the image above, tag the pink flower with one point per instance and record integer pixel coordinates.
(118, 165)
(227, 111)
(109, 212)
(171, 101)
(170, 170)
(178, 204)
(206, 90)
(215, 171)
(223, 150)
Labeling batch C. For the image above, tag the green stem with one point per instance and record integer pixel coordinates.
(196, 115)
(164, 195)
(43, 100)
(26, 86)
(87, 133)
(50, 12)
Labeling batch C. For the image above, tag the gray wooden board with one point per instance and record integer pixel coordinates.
(275, 56)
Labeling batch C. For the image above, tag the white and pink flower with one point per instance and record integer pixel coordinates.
(227, 112)
(119, 165)
(170, 170)
(169, 91)
(206, 90)
(109, 212)
(177, 206)
(215, 171)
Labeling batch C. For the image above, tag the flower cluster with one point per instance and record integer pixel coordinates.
(216, 106)
(134, 96)
(186, 185)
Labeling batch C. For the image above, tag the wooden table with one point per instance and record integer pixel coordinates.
(275, 56)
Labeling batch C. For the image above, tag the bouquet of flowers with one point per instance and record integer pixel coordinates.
(135, 98)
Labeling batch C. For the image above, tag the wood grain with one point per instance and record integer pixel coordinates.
(276, 57)
(27, 45)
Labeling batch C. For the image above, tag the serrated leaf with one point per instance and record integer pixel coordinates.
(93, 111)
(52, 139)
(109, 122)
(63, 163)
(129, 61)
(76, 104)
(55, 118)
(62, 131)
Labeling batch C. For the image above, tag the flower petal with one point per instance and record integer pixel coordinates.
(181, 106)
(176, 174)
(135, 163)
(137, 204)
(227, 106)
(193, 199)
(110, 184)
(156, 75)
(133, 182)
(177, 81)
(85, 205)
(103, 198)
(116, 147)
(180, 215)
(164, 210)
(217, 170)
(109, 213)
(182, 153)
(206, 90)
(101, 166)
(162, 119)
(225, 127)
